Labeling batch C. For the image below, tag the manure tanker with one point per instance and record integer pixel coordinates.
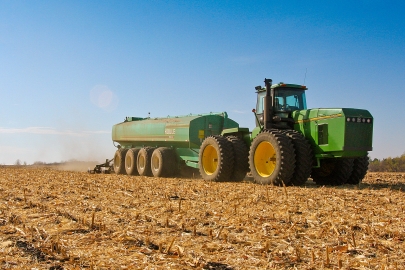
(161, 146)
(289, 144)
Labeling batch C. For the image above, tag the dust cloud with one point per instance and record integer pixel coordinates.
(77, 140)
(76, 153)
(87, 148)
(77, 166)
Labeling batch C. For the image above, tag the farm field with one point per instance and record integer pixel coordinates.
(58, 219)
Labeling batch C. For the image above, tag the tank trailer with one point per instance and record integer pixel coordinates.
(289, 144)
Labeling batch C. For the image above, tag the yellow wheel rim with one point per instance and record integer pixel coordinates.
(209, 159)
(155, 163)
(128, 162)
(117, 161)
(265, 159)
(141, 162)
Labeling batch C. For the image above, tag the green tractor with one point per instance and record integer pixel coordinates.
(292, 143)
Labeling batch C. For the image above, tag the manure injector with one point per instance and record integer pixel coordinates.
(289, 144)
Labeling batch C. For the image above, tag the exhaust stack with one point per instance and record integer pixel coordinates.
(268, 104)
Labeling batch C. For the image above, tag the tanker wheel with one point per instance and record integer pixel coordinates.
(130, 161)
(119, 161)
(216, 159)
(360, 167)
(241, 158)
(163, 162)
(173, 164)
(334, 171)
(143, 161)
(272, 158)
(303, 158)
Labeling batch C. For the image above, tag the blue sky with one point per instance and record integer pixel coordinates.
(69, 70)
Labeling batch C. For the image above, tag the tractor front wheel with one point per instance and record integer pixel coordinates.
(272, 158)
(303, 158)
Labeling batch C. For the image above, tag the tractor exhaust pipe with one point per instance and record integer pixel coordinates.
(268, 104)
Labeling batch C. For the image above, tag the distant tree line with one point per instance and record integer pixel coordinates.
(18, 162)
(389, 164)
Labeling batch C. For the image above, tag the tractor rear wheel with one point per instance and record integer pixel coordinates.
(163, 162)
(130, 161)
(216, 159)
(272, 158)
(360, 167)
(303, 158)
(334, 171)
(241, 158)
(143, 161)
(119, 161)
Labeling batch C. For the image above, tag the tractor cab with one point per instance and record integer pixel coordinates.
(282, 99)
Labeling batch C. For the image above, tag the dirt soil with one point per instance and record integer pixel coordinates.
(53, 219)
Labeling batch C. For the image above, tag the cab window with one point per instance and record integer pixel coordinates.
(290, 99)
(260, 102)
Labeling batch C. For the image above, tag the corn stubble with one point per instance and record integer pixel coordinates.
(72, 220)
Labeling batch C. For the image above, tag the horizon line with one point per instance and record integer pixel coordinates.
(50, 131)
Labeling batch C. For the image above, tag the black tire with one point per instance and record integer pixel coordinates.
(216, 159)
(333, 171)
(163, 162)
(119, 161)
(360, 167)
(173, 162)
(272, 158)
(303, 158)
(130, 161)
(241, 159)
(143, 161)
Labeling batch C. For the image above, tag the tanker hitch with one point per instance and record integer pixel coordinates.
(105, 167)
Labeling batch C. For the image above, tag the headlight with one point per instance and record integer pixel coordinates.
(359, 120)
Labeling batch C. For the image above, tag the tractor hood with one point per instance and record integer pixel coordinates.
(336, 132)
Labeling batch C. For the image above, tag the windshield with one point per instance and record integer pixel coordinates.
(286, 100)
(290, 99)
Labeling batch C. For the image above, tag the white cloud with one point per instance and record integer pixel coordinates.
(240, 112)
(49, 131)
(98, 132)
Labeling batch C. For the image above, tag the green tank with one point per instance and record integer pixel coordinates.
(182, 134)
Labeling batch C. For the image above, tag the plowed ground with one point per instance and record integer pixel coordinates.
(53, 219)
